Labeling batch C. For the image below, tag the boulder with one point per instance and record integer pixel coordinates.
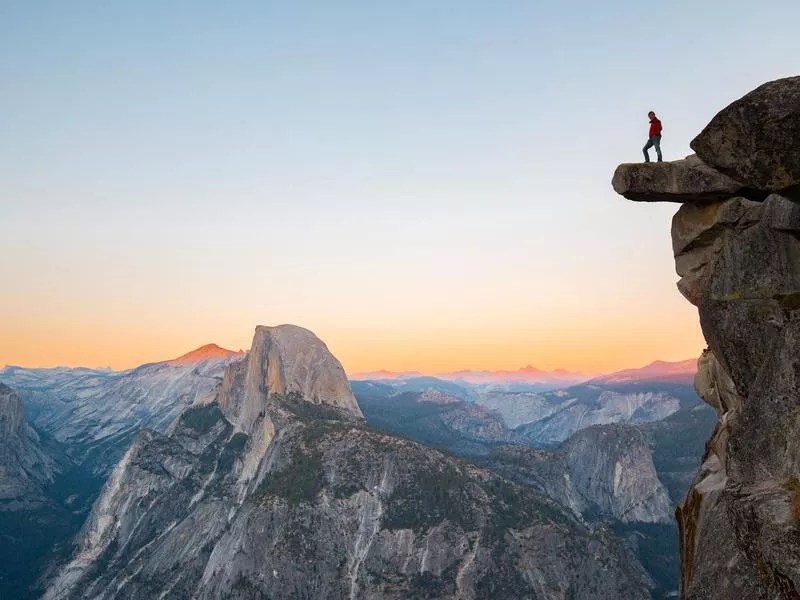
(756, 140)
(687, 180)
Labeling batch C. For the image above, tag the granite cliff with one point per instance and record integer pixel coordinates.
(603, 472)
(34, 524)
(272, 486)
(736, 241)
(26, 468)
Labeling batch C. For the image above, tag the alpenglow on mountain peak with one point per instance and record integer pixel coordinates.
(206, 352)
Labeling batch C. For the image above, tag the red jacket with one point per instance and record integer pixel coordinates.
(655, 127)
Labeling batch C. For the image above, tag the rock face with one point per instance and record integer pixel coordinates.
(80, 423)
(579, 407)
(518, 408)
(262, 493)
(603, 472)
(447, 423)
(25, 468)
(755, 139)
(96, 413)
(12, 419)
(741, 510)
(34, 522)
(698, 233)
(740, 264)
(688, 180)
(285, 360)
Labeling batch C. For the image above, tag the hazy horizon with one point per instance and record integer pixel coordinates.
(351, 374)
(426, 187)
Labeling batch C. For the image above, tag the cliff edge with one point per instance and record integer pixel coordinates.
(736, 241)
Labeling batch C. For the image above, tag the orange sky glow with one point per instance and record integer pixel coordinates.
(426, 189)
(594, 341)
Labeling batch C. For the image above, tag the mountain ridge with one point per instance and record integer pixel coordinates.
(269, 476)
(660, 370)
(206, 352)
(531, 374)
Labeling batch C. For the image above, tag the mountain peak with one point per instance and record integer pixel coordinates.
(207, 352)
(282, 360)
(660, 370)
(294, 359)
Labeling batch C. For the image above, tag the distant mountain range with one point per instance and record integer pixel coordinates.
(663, 371)
(98, 411)
(619, 449)
(207, 352)
(81, 422)
(267, 483)
(527, 375)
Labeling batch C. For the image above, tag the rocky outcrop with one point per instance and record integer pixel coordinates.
(604, 472)
(755, 139)
(25, 468)
(698, 233)
(285, 360)
(297, 498)
(739, 262)
(688, 180)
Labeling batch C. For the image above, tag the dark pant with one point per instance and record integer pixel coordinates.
(653, 141)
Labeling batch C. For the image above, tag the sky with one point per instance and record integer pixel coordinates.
(424, 184)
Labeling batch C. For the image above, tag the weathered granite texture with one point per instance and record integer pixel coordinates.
(739, 262)
(275, 488)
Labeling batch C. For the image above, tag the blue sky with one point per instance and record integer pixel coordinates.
(424, 184)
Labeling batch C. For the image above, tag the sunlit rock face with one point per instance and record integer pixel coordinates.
(273, 487)
(755, 139)
(284, 360)
(739, 262)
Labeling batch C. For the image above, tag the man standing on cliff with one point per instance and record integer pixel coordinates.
(654, 137)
